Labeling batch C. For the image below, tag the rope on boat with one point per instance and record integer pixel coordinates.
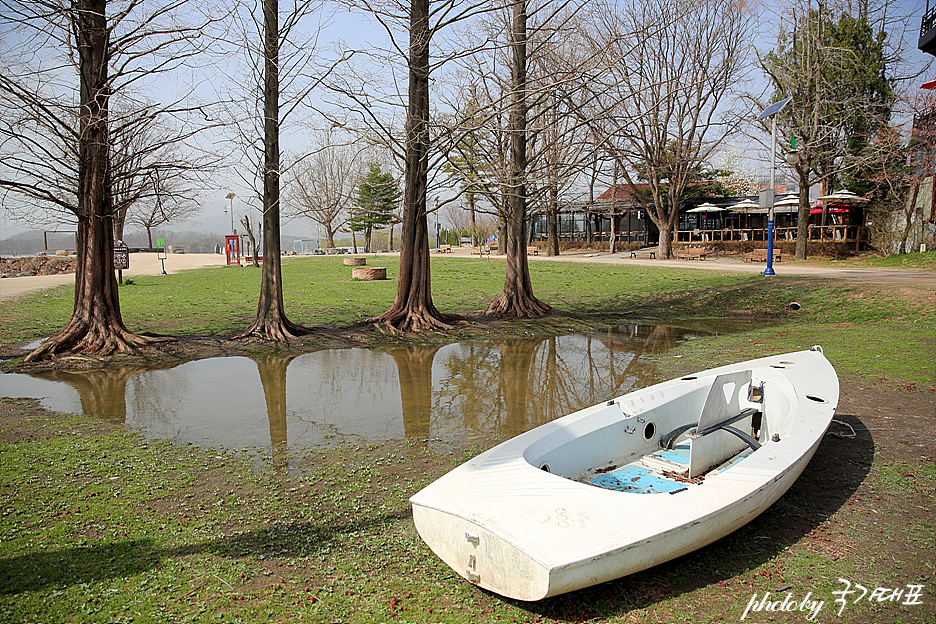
(843, 435)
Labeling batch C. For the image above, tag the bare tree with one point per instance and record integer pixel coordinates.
(107, 55)
(322, 185)
(271, 322)
(420, 20)
(284, 71)
(560, 149)
(517, 298)
(657, 105)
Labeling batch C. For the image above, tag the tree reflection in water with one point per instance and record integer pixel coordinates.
(469, 392)
(272, 370)
(103, 393)
(414, 367)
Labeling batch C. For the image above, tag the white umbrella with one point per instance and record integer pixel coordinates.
(844, 196)
(745, 204)
(789, 200)
(706, 207)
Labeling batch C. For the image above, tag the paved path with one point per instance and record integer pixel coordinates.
(735, 264)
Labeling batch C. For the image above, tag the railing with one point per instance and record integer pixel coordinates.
(829, 233)
(928, 22)
(854, 234)
(631, 236)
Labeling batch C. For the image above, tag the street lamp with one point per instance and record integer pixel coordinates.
(772, 110)
(230, 197)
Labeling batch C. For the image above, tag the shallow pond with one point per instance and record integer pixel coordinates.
(463, 392)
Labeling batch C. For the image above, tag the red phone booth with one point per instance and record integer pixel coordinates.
(232, 249)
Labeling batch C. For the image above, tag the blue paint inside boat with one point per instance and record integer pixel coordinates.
(637, 480)
(678, 454)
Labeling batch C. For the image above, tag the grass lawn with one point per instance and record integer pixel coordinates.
(100, 525)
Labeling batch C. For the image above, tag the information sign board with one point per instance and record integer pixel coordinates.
(121, 257)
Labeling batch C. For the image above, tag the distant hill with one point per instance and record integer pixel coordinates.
(32, 242)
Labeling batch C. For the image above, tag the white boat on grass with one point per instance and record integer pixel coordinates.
(631, 483)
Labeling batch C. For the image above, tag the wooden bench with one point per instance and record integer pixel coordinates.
(444, 249)
(691, 253)
(760, 255)
(650, 254)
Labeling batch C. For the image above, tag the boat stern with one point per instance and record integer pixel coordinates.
(480, 556)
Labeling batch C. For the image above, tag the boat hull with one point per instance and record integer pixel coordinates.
(517, 521)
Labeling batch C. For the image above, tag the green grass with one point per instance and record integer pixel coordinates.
(103, 526)
(906, 261)
(100, 525)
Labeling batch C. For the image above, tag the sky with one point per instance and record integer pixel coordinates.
(212, 216)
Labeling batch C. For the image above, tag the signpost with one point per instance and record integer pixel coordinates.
(161, 253)
(121, 259)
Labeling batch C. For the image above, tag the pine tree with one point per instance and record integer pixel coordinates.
(378, 198)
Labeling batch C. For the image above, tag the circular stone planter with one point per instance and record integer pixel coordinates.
(355, 261)
(369, 273)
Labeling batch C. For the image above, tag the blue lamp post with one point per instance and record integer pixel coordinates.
(772, 110)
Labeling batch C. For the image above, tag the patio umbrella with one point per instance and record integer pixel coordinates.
(745, 204)
(843, 196)
(789, 200)
(707, 207)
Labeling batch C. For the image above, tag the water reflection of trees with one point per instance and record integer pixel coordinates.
(414, 367)
(461, 391)
(272, 371)
(505, 387)
(103, 393)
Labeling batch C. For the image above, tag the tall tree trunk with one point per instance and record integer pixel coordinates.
(413, 309)
(802, 225)
(474, 221)
(271, 322)
(502, 230)
(96, 325)
(552, 225)
(518, 299)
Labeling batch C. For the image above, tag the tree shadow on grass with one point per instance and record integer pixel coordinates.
(59, 569)
(836, 471)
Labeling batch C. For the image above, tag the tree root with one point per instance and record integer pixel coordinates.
(400, 322)
(276, 330)
(519, 307)
(98, 339)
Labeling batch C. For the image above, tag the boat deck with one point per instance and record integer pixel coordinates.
(664, 471)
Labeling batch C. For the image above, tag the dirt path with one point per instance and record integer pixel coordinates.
(736, 264)
(140, 264)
